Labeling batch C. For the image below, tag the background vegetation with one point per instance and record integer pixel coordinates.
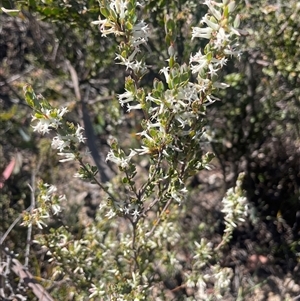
(254, 128)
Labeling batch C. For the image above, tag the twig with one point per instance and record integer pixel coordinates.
(105, 189)
(75, 80)
(29, 280)
(159, 218)
(29, 231)
(12, 226)
(150, 180)
(150, 206)
(14, 77)
(21, 102)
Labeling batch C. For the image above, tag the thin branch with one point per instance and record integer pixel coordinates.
(150, 206)
(21, 100)
(29, 231)
(30, 281)
(97, 182)
(75, 80)
(159, 218)
(12, 226)
(150, 180)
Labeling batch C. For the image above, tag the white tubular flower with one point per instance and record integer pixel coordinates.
(110, 214)
(212, 9)
(135, 107)
(150, 98)
(42, 126)
(143, 151)
(45, 123)
(182, 122)
(231, 7)
(119, 7)
(200, 60)
(212, 71)
(63, 142)
(120, 161)
(219, 62)
(136, 66)
(139, 34)
(78, 134)
(61, 112)
(204, 33)
(59, 143)
(135, 214)
(203, 84)
(219, 85)
(209, 23)
(231, 50)
(165, 71)
(133, 54)
(68, 157)
(48, 119)
(211, 98)
(221, 38)
(125, 97)
(119, 10)
(146, 135)
(46, 202)
(107, 27)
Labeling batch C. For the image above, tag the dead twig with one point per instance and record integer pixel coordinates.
(29, 280)
(26, 277)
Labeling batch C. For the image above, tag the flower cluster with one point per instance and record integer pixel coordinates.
(47, 202)
(119, 158)
(235, 207)
(113, 11)
(120, 20)
(178, 111)
(47, 118)
(175, 125)
(220, 32)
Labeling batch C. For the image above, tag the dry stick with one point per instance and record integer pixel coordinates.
(29, 280)
(29, 231)
(12, 226)
(4, 277)
(24, 275)
(6, 83)
(159, 218)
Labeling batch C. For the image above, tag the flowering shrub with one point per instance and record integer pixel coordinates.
(134, 244)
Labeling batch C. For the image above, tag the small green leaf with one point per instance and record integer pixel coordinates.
(11, 12)
(104, 11)
(125, 180)
(226, 12)
(30, 96)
